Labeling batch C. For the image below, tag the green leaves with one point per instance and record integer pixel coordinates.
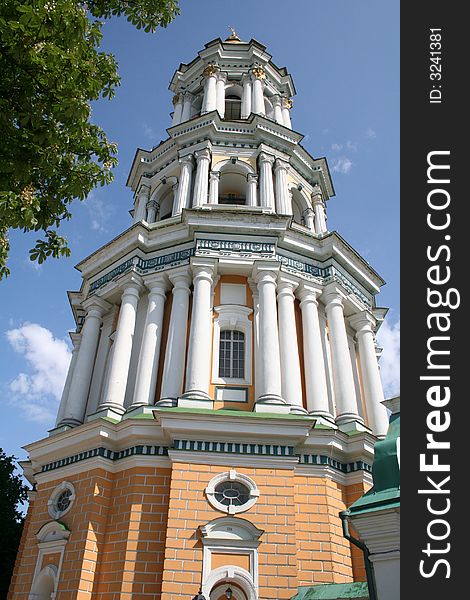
(50, 152)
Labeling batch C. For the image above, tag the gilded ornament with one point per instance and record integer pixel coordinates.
(176, 99)
(210, 70)
(287, 103)
(259, 72)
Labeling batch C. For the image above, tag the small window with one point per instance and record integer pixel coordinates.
(231, 493)
(61, 500)
(233, 108)
(232, 355)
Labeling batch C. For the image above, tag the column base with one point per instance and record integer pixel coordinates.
(142, 410)
(193, 401)
(324, 420)
(166, 403)
(61, 428)
(353, 427)
(108, 412)
(294, 409)
(271, 403)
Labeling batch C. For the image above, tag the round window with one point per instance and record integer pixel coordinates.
(232, 492)
(61, 500)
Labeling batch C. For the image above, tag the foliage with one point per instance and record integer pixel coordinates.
(50, 151)
(12, 492)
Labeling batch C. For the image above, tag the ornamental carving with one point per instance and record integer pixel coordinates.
(259, 72)
(176, 99)
(287, 103)
(210, 70)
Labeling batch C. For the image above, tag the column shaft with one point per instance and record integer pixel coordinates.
(147, 368)
(68, 383)
(258, 97)
(184, 187)
(266, 180)
(187, 104)
(113, 397)
(315, 370)
(370, 375)
(283, 200)
(270, 387)
(278, 116)
(289, 350)
(252, 180)
(201, 183)
(319, 210)
(74, 412)
(140, 210)
(214, 178)
(173, 369)
(178, 110)
(286, 106)
(199, 349)
(220, 93)
(343, 379)
(246, 99)
(209, 102)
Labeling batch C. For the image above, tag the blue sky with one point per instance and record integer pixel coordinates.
(344, 59)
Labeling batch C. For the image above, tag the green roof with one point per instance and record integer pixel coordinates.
(334, 591)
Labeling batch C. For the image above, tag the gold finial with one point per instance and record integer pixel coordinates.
(233, 37)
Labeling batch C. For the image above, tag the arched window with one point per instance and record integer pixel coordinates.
(233, 108)
(232, 354)
(166, 205)
(233, 184)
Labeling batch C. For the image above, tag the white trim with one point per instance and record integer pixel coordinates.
(54, 512)
(232, 475)
(232, 317)
(48, 545)
(231, 574)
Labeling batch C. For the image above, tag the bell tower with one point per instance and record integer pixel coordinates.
(224, 396)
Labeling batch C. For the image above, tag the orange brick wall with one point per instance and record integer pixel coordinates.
(134, 534)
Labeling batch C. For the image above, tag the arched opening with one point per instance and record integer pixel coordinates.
(233, 108)
(297, 210)
(44, 587)
(166, 204)
(232, 184)
(268, 109)
(226, 590)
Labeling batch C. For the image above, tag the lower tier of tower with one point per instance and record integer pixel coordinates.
(118, 515)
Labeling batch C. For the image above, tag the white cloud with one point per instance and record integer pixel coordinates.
(388, 338)
(336, 147)
(149, 133)
(370, 134)
(342, 165)
(100, 212)
(47, 358)
(351, 146)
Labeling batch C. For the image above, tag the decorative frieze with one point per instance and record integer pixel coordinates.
(234, 448)
(322, 460)
(228, 247)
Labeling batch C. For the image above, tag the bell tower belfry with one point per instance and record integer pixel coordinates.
(224, 394)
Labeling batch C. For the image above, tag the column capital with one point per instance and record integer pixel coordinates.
(188, 159)
(131, 284)
(246, 78)
(258, 72)
(187, 96)
(177, 98)
(203, 269)
(180, 278)
(265, 272)
(210, 70)
(286, 284)
(252, 177)
(264, 157)
(362, 322)
(309, 292)
(276, 100)
(143, 189)
(281, 165)
(153, 204)
(96, 305)
(214, 175)
(316, 195)
(204, 154)
(332, 295)
(287, 103)
(222, 76)
(156, 283)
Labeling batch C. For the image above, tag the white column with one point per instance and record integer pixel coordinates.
(220, 93)
(147, 368)
(178, 109)
(343, 379)
(377, 418)
(270, 386)
(286, 106)
(200, 337)
(283, 199)
(201, 183)
(209, 102)
(266, 180)
(258, 75)
(289, 349)
(140, 207)
(74, 412)
(187, 105)
(68, 382)
(246, 97)
(173, 369)
(184, 188)
(252, 180)
(113, 397)
(152, 211)
(319, 210)
(214, 177)
(278, 116)
(314, 361)
(257, 358)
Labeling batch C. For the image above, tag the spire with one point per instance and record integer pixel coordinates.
(233, 37)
